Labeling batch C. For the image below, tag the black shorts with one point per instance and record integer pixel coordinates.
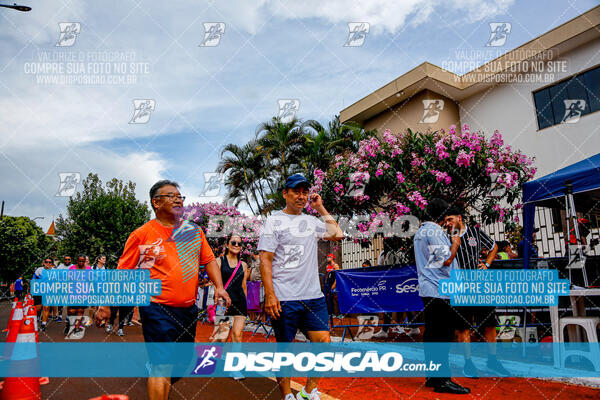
(237, 307)
(475, 317)
(166, 325)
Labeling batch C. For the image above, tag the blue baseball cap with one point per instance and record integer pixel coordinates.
(295, 180)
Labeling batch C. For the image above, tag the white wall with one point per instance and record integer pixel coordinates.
(510, 109)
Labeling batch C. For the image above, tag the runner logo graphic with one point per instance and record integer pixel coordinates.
(292, 254)
(68, 33)
(432, 110)
(68, 183)
(207, 359)
(573, 110)
(142, 108)
(498, 33)
(213, 182)
(357, 33)
(357, 183)
(287, 109)
(212, 34)
(438, 253)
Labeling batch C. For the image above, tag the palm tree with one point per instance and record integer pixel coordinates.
(322, 144)
(280, 143)
(243, 166)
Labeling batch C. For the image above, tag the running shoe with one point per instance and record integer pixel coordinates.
(470, 370)
(495, 366)
(58, 319)
(108, 328)
(413, 332)
(302, 395)
(381, 334)
(290, 397)
(398, 330)
(43, 327)
(130, 323)
(120, 332)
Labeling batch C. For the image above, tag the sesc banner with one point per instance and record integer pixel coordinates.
(378, 289)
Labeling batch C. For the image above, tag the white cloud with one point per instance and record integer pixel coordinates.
(383, 15)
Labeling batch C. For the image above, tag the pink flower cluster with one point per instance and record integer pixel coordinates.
(441, 176)
(418, 199)
(464, 159)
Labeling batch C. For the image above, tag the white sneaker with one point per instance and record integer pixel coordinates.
(413, 332)
(381, 334)
(108, 328)
(290, 397)
(120, 332)
(398, 330)
(302, 395)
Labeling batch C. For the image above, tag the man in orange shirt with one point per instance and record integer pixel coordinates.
(173, 249)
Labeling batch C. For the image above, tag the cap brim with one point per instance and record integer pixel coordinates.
(294, 186)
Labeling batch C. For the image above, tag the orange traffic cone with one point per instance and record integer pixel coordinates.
(15, 323)
(23, 388)
(12, 311)
(32, 315)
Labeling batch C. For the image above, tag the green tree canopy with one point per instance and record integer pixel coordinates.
(23, 245)
(100, 218)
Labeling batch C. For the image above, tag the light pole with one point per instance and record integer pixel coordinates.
(16, 7)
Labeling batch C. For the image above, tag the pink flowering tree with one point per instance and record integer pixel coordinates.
(394, 176)
(219, 220)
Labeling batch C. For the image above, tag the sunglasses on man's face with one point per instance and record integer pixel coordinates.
(48, 262)
(235, 243)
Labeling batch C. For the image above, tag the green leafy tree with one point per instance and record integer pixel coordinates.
(100, 218)
(23, 245)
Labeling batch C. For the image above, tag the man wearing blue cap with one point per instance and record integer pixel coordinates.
(290, 272)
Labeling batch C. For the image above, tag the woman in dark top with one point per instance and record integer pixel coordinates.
(237, 286)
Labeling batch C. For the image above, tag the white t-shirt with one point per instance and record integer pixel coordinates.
(293, 239)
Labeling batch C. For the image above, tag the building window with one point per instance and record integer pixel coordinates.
(569, 99)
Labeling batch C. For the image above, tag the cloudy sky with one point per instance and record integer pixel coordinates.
(67, 99)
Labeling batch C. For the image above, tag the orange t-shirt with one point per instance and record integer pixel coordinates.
(172, 255)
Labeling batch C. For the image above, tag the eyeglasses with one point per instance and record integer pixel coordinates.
(47, 262)
(172, 197)
(235, 243)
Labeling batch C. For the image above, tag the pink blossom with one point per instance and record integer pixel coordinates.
(417, 161)
(441, 176)
(464, 159)
(416, 198)
(399, 177)
(379, 172)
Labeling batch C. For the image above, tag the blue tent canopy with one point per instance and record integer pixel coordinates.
(549, 191)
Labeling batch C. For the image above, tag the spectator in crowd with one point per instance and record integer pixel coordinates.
(479, 319)
(435, 257)
(179, 248)
(235, 274)
(76, 311)
(66, 264)
(290, 272)
(19, 287)
(47, 264)
(505, 251)
(366, 264)
(99, 263)
(532, 246)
